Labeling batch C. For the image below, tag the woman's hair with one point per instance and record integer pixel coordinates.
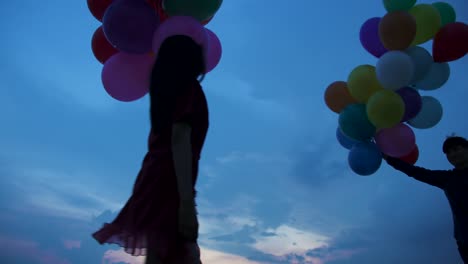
(454, 141)
(179, 63)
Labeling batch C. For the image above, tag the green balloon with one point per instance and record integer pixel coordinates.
(427, 22)
(355, 124)
(385, 109)
(200, 9)
(446, 11)
(398, 5)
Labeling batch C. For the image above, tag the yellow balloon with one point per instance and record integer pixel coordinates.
(363, 83)
(428, 22)
(385, 109)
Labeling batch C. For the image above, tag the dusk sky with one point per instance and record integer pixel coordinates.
(274, 184)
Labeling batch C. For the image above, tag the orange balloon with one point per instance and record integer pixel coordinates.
(337, 96)
(397, 30)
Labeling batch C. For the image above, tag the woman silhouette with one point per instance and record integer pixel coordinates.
(159, 220)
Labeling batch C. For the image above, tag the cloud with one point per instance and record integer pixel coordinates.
(120, 256)
(27, 251)
(288, 240)
(366, 219)
(69, 77)
(72, 244)
(256, 157)
(65, 86)
(239, 228)
(316, 194)
(328, 255)
(241, 94)
(241, 172)
(297, 187)
(218, 221)
(210, 256)
(57, 194)
(407, 218)
(262, 226)
(385, 218)
(317, 159)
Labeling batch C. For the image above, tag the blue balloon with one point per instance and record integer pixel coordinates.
(355, 124)
(435, 78)
(365, 158)
(422, 61)
(345, 141)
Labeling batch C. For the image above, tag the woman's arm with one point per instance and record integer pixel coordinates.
(182, 157)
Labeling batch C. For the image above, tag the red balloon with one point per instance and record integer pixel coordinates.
(98, 7)
(102, 49)
(412, 157)
(451, 42)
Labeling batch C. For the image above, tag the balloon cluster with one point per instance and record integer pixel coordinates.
(379, 105)
(128, 40)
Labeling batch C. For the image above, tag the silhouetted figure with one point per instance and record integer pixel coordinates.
(159, 220)
(453, 182)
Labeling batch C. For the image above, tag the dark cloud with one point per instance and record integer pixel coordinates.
(243, 236)
(8, 194)
(409, 225)
(45, 234)
(407, 221)
(313, 171)
(318, 162)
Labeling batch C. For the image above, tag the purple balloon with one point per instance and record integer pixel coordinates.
(126, 77)
(397, 141)
(213, 54)
(413, 102)
(129, 25)
(370, 39)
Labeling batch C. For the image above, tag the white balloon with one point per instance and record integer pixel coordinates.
(395, 70)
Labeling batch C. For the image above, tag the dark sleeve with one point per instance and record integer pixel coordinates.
(437, 178)
(168, 107)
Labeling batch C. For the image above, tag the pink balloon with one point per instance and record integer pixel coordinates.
(181, 25)
(126, 77)
(396, 141)
(214, 52)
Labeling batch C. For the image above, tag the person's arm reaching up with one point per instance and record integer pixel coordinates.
(437, 178)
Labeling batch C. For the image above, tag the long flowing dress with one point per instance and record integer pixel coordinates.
(150, 216)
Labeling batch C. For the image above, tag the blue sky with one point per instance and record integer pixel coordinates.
(274, 185)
